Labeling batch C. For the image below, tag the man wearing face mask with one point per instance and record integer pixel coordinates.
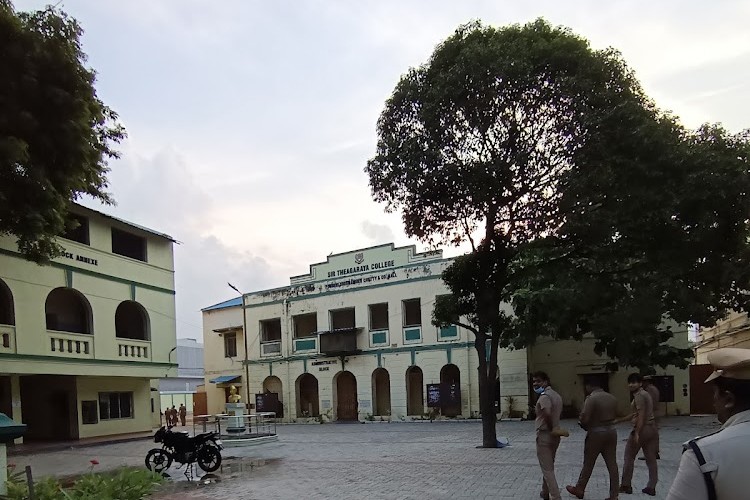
(548, 409)
(716, 466)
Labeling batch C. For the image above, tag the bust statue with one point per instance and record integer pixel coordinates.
(233, 396)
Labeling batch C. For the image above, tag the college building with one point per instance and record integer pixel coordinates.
(353, 339)
(84, 339)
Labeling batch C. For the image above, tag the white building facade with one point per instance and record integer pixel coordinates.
(353, 340)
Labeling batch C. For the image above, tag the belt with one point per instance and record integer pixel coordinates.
(602, 428)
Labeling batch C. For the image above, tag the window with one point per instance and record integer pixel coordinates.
(270, 330)
(305, 325)
(88, 412)
(128, 245)
(412, 312)
(77, 230)
(230, 345)
(342, 318)
(378, 316)
(114, 405)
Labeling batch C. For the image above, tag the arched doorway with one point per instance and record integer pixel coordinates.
(414, 391)
(272, 386)
(307, 396)
(67, 310)
(381, 392)
(131, 321)
(7, 311)
(450, 376)
(345, 389)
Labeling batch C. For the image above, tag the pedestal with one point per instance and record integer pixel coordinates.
(235, 422)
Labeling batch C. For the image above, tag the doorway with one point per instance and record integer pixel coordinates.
(381, 392)
(414, 391)
(450, 377)
(49, 405)
(346, 396)
(272, 385)
(307, 396)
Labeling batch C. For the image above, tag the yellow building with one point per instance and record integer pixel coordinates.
(82, 339)
(352, 339)
(734, 331)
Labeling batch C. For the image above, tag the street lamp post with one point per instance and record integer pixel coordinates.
(244, 337)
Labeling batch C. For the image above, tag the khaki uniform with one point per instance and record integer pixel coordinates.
(546, 443)
(597, 417)
(653, 391)
(641, 405)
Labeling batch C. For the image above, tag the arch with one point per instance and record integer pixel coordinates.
(345, 392)
(132, 321)
(381, 392)
(7, 311)
(272, 385)
(450, 375)
(414, 391)
(308, 404)
(67, 310)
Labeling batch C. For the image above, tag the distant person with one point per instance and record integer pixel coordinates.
(173, 415)
(643, 436)
(715, 466)
(548, 410)
(167, 416)
(183, 414)
(653, 391)
(597, 419)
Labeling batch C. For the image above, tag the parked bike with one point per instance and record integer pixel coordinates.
(203, 449)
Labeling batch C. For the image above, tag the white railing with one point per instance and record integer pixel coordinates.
(71, 345)
(134, 350)
(270, 348)
(7, 339)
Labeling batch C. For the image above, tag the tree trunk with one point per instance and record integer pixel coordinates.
(486, 396)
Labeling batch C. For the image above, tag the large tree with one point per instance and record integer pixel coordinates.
(56, 135)
(527, 138)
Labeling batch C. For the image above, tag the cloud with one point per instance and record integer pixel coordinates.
(378, 233)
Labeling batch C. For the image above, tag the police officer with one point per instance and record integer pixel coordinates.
(653, 391)
(643, 436)
(548, 410)
(597, 418)
(716, 466)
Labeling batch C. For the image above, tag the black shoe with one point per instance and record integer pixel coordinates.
(626, 489)
(649, 491)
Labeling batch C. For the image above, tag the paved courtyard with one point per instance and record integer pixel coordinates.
(388, 461)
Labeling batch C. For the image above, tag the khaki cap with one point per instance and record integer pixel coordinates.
(730, 362)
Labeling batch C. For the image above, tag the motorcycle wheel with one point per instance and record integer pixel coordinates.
(209, 458)
(158, 460)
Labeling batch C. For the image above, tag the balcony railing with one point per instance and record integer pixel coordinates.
(134, 350)
(270, 348)
(7, 339)
(71, 345)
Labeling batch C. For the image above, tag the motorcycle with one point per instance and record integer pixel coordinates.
(205, 449)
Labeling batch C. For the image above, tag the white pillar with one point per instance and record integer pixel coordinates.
(3, 469)
(15, 398)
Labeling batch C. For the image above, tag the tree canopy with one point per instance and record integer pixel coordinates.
(56, 135)
(591, 207)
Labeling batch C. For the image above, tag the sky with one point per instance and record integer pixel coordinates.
(250, 122)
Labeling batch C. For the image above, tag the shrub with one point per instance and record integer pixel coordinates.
(125, 484)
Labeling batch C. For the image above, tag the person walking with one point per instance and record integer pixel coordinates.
(597, 419)
(173, 416)
(715, 466)
(548, 409)
(643, 436)
(653, 391)
(183, 414)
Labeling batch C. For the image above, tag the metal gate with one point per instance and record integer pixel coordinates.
(701, 395)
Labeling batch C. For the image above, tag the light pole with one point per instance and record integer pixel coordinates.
(244, 338)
